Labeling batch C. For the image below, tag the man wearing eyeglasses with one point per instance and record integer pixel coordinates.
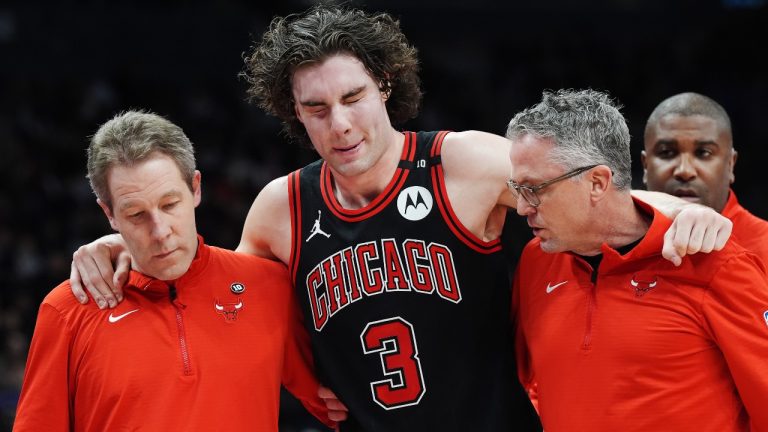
(610, 336)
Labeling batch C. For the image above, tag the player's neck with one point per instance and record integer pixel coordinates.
(357, 191)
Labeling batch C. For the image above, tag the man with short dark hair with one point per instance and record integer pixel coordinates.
(689, 153)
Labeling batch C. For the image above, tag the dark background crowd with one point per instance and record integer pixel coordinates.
(67, 67)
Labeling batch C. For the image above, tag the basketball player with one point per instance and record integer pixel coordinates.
(407, 298)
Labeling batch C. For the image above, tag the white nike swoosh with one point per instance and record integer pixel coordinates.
(551, 288)
(114, 319)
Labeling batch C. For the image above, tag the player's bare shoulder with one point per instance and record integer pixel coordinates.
(267, 230)
(478, 163)
(477, 166)
(476, 155)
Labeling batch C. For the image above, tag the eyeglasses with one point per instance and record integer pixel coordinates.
(529, 193)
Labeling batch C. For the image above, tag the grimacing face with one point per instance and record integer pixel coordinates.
(691, 157)
(154, 210)
(344, 113)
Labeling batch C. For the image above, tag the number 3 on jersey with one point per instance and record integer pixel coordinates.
(395, 342)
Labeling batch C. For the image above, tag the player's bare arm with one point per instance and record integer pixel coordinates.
(669, 205)
(696, 228)
(477, 168)
(267, 229)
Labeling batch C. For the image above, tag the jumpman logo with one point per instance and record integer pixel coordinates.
(316, 229)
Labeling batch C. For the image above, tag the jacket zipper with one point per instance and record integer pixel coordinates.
(178, 307)
(591, 300)
(587, 344)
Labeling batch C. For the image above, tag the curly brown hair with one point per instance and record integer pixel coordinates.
(322, 31)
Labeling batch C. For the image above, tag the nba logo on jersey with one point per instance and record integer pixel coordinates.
(414, 203)
(765, 317)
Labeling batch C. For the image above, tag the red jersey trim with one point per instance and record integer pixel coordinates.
(437, 144)
(294, 201)
(375, 206)
(444, 204)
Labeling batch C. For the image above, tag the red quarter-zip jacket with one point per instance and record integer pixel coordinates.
(648, 346)
(207, 353)
(749, 231)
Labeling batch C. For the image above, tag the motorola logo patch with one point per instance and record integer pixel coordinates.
(414, 203)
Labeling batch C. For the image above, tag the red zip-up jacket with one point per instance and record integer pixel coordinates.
(647, 346)
(205, 353)
(749, 231)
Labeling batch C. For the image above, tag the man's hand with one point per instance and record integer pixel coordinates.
(337, 411)
(696, 228)
(92, 266)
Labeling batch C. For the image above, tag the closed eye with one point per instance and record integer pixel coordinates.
(170, 206)
(353, 99)
(317, 111)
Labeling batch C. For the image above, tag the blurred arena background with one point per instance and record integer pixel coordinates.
(68, 66)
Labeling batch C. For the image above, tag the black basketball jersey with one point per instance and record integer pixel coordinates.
(408, 311)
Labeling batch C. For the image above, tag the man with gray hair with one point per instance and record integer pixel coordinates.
(610, 336)
(204, 336)
(689, 153)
